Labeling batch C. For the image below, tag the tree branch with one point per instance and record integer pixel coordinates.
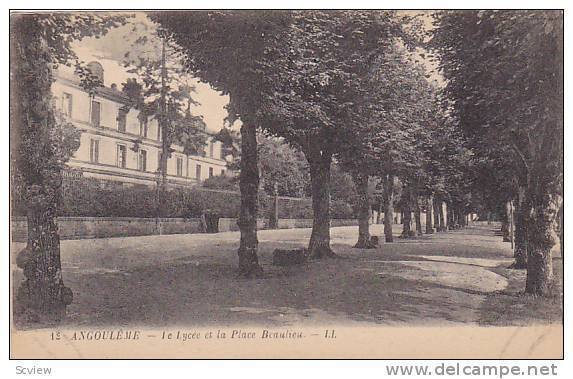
(522, 156)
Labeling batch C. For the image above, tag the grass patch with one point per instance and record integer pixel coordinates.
(513, 307)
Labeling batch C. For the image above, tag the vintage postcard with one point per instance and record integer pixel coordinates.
(286, 184)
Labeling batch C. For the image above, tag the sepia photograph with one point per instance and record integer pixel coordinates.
(246, 184)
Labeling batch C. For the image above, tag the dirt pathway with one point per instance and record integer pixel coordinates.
(441, 279)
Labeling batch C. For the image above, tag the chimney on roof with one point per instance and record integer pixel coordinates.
(96, 69)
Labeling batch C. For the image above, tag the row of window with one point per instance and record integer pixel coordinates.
(121, 160)
(95, 116)
(95, 119)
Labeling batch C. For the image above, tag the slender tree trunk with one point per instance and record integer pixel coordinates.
(162, 185)
(417, 215)
(157, 201)
(379, 213)
(505, 222)
(274, 211)
(319, 244)
(361, 182)
(388, 200)
(249, 185)
(520, 246)
(163, 127)
(429, 212)
(447, 215)
(512, 224)
(520, 234)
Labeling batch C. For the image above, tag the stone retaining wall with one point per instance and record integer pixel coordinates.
(106, 227)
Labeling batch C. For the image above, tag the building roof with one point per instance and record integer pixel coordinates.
(105, 92)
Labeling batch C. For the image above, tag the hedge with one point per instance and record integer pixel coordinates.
(90, 197)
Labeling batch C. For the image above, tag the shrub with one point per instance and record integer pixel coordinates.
(222, 182)
(90, 197)
(341, 209)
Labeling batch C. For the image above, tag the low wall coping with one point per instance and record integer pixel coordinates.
(153, 219)
(96, 219)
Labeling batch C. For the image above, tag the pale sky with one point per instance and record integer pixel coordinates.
(109, 50)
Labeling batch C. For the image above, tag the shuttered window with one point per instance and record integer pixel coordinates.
(67, 104)
(94, 150)
(179, 166)
(121, 156)
(198, 172)
(95, 116)
(121, 120)
(142, 160)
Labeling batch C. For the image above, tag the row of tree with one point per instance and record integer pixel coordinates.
(345, 85)
(504, 72)
(341, 87)
(338, 86)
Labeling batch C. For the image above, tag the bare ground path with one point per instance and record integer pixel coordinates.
(190, 279)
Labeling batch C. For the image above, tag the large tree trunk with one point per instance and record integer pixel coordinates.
(407, 211)
(461, 216)
(388, 193)
(361, 182)
(541, 217)
(442, 218)
(319, 162)
(429, 212)
(417, 216)
(42, 297)
(407, 222)
(436, 210)
(449, 217)
(249, 185)
(561, 220)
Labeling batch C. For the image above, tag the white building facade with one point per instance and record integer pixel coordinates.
(115, 145)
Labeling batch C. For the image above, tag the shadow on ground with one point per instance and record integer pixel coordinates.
(439, 279)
